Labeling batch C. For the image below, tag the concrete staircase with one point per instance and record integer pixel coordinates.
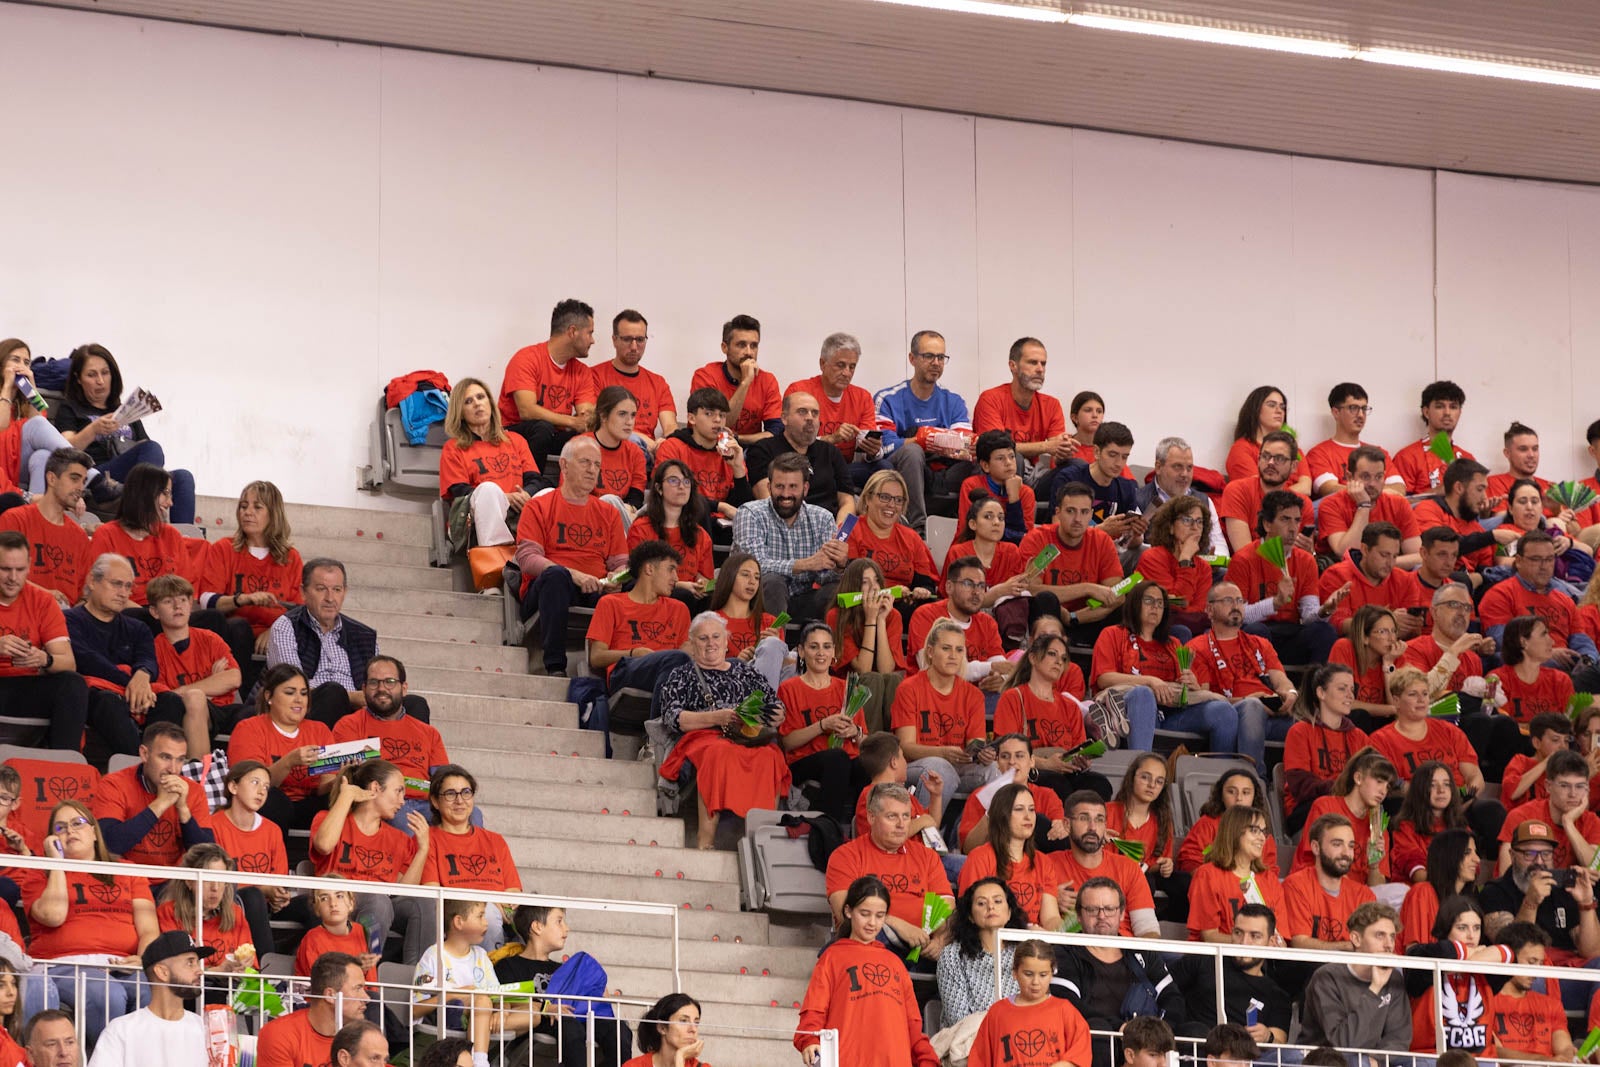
(578, 824)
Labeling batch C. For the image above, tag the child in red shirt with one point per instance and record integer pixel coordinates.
(1033, 1028)
(336, 931)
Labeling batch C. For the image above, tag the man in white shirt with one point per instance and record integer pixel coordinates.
(164, 1032)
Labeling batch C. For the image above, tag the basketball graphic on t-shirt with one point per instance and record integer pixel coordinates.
(577, 534)
(896, 883)
(255, 862)
(877, 973)
(615, 480)
(62, 787)
(105, 894)
(1029, 1042)
(652, 629)
(47, 557)
(160, 835)
(473, 865)
(1027, 895)
(557, 398)
(369, 859)
(945, 724)
(1050, 733)
(397, 750)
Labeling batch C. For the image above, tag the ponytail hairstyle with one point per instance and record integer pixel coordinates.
(864, 888)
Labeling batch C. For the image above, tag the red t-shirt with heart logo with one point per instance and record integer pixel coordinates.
(477, 859)
(380, 857)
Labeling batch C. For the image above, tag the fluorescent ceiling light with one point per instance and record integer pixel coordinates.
(989, 7)
(1305, 46)
(1485, 68)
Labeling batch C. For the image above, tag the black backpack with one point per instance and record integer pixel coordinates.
(823, 834)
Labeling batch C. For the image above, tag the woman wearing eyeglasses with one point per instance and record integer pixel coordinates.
(900, 554)
(1180, 530)
(1236, 876)
(464, 856)
(1262, 412)
(675, 512)
(91, 918)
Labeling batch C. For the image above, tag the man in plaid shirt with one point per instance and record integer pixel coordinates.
(795, 542)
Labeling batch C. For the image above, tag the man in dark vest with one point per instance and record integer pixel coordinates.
(331, 648)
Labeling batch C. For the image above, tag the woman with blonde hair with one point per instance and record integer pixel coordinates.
(484, 471)
(251, 576)
(882, 537)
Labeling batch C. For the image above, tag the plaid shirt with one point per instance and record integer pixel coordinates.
(776, 545)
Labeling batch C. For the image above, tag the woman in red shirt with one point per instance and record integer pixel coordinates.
(354, 839)
(219, 922)
(1317, 748)
(870, 635)
(1142, 812)
(902, 557)
(1262, 412)
(11, 1017)
(1431, 806)
(1034, 706)
(255, 844)
(107, 918)
(752, 637)
(142, 535)
(1371, 652)
(1014, 763)
(669, 1034)
(285, 741)
(675, 512)
(1237, 875)
(1237, 788)
(621, 461)
(252, 575)
(1010, 854)
(819, 741)
(485, 472)
(464, 856)
(1358, 794)
(1527, 687)
(1452, 868)
(1179, 530)
(983, 535)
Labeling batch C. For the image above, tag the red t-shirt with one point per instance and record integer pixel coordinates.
(1338, 513)
(60, 554)
(560, 389)
(624, 624)
(1244, 461)
(1371, 684)
(229, 572)
(983, 635)
(1319, 751)
(1408, 844)
(1258, 579)
(1588, 828)
(1056, 723)
(1550, 693)
(1363, 831)
(380, 857)
(1420, 469)
(901, 556)
(259, 850)
(1527, 1023)
(1186, 585)
(503, 464)
(762, 402)
(211, 931)
(46, 783)
(1025, 498)
(1093, 559)
(743, 633)
(99, 916)
(1516, 767)
(1007, 561)
(854, 407)
(580, 537)
(1216, 895)
(864, 992)
(204, 654)
(258, 738)
(955, 718)
(848, 648)
(697, 562)
(36, 618)
(164, 552)
(1040, 421)
(1146, 834)
(1118, 651)
(621, 468)
(804, 706)
(649, 390)
(1038, 1035)
(1046, 805)
(1028, 879)
(122, 794)
(319, 940)
(1500, 486)
(710, 468)
(1192, 851)
(1113, 865)
(291, 1042)
(1397, 591)
(1245, 659)
(477, 859)
(1508, 599)
(1429, 514)
(1443, 742)
(909, 873)
(409, 743)
(1423, 652)
(1330, 461)
(1242, 500)
(1308, 910)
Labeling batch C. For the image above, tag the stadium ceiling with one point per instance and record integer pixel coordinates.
(1067, 68)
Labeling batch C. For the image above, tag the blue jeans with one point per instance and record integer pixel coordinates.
(182, 480)
(421, 804)
(1214, 718)
(551, 595)
(107, 995)
(1256, 728)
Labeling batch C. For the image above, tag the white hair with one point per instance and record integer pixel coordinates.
(1169, 444)
(706, 618)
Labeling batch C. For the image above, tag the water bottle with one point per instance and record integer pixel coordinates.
(26, 390)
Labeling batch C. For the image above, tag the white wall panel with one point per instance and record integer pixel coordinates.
(941, 247)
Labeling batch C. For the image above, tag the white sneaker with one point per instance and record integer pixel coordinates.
(496, 591)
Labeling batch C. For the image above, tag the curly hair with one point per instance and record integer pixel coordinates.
(1162, 523)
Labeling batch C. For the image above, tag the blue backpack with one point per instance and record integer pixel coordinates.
(581, 976)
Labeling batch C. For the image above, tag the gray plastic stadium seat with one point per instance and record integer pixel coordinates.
(60, 755)
(120, 762)
(395, 461)
(775, 869)
(1114, 764)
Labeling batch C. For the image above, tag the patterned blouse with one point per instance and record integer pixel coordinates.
(682, 691)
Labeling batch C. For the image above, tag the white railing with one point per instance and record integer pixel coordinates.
(1221, 951)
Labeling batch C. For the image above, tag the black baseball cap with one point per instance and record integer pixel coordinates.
(173, 943)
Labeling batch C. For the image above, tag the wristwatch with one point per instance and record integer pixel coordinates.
(49, 660)
(1072, 618)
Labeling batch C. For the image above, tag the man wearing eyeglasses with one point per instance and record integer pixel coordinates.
(405, 741)
(1098, 980)
(919, 403)
(1530, 891)
(657, 412)
(1452, 658)
(1241, 500)
(964, 586)
(1531, 591)
(1245, 669)
(829, 486)
(1328, 460)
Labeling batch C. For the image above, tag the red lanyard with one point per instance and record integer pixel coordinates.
(1222, 665)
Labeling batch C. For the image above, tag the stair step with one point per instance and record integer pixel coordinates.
(713, 957)
(694, 925)
(424, 652)
(353, 550)
(393, 576)
(399, 624)
(488, 683)
(423, 602)
(511, 822)
(566, 796)
(547, 763)
(734, 988)
(478, 736)
(216, 514)
(505, 711)
(553, 853)
(720, 896)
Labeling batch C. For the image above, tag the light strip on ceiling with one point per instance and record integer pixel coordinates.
(1272, 42)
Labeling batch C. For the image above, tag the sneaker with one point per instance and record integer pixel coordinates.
(103, 488)
(494, 591)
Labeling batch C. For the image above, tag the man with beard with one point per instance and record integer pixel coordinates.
(1241, 500)
(60, 547)
(1245, 669)
(794, 542)
(1418, 467)
(164, 1032)
(407, 742)
(1363, 1006)
(917, 403)
(987, 666)
(1282, 605)
(1097, 980)
(1328, 460)
(1088, 858)
(548, 392)
(1318, 900)
(1022, 408)
(830, 487)
(337, 996)
(1529, 892)
(1461, 502)
(1371, 577)
(1343, 516)
(752, 392)
(1250, 997)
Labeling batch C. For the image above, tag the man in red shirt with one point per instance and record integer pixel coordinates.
(1575, 829)
(1343, 516)
(1459, 506)
(909, 870)
(1530, 591)
(1318, 900)
(753, 400)
(987, 666)
(849, 419)
(1589, 518)
(548, 394)
(657, 411)
(1244, 670)
(1241, 500)
(60, 547)
(1451, 657)
(1420, 469)
(1089, 857)
(1525, 1023)
(1328, 460)
(37, 671)
(567, 543)
(404, 740)
(150, 813)
(1033, 417)
(1086, 567)
(338, 995)
(1370, 577)
(1522, 461)
(637, 637)
(1283, 605)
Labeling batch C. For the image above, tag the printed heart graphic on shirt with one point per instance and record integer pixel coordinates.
(653, 630)
(1027, 895)
(888, 560)
(1050, 733)
(878, 974)
(945, 725)
(1519, 1023)
(160, 835)
(1029, 1042)
(579, 534)
(369, 859)
(714, 484)
(105, 894)
(615, 480)
(47, 557)
(255, 862)
(397, 749)
(62, 787)
(473, 865)
(896, 883)
(254, 583)
(146, 567)
(556, 397)
(498, 464)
